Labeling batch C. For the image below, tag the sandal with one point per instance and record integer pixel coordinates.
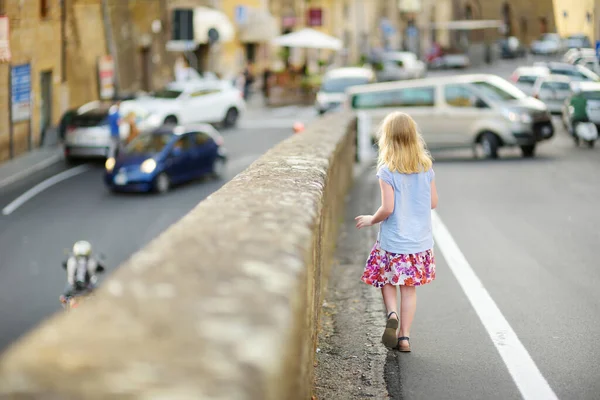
(406, 347)
(389, 334)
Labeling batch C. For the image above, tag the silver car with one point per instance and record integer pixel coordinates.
(553, 90)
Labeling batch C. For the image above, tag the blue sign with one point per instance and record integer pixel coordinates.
(241, 15)
(21, 92)
(598, 49)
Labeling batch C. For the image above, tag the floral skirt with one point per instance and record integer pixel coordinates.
(399, 269)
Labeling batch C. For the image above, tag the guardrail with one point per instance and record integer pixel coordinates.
(223, 305)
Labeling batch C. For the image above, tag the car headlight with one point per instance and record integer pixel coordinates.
(148, 166)
(153, 120)
(109, 164)
(523, 118)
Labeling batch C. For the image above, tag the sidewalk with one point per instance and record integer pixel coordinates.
(351, 362)
(31, 162)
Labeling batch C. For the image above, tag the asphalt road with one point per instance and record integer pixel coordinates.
(34, 236)
(529, 231)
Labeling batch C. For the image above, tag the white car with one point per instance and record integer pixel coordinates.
(400, 65)
(525, 77)
(553, 90)
(88, 133)
(332, 92)
(205, 101)
(549, 43)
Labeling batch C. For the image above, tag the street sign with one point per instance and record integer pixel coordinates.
(598, 49)
(20, 77)
(106, 75)
(241, 15)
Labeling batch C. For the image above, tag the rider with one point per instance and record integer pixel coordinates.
(82, 269)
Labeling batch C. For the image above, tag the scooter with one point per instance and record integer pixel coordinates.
(586, 132)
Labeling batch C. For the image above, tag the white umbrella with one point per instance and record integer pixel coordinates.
(309, 39)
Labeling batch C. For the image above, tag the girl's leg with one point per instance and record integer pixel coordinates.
(390, 299)
(408, 306)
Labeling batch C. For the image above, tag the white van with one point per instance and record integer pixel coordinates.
(466, 111)
(335, 82)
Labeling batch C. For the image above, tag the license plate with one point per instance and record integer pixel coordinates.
(121, 179)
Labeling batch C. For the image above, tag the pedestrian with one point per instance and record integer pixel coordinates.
(114, 121)
(403, 253)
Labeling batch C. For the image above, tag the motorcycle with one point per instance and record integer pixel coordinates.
(84, 284)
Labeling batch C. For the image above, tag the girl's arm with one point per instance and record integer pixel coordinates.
(386, 209)
(434, 195)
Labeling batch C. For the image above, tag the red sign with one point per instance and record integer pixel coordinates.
(315, 17)
(4, 39)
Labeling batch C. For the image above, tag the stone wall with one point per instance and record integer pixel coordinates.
(223, 305)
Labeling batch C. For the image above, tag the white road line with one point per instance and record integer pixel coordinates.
(521, 367)
(40, 187)
(28, 171)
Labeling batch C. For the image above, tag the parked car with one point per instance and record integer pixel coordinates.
(525, 77)
(332, 92)
(575, 72)
(196, 101)
(590, 63)
(548, 43)
(166, 156)
(511, 48)
(573, 54)
(401, 65)
(553, 90)
(87, 131)
(578, 41)
(453, 60)
(582, 106)
(466, 111)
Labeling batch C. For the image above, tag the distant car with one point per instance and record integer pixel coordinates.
(572, 54)
(553, 90)
(167, 156)
(87, 132)
(578, 41)
(454, 60)
(590, 63)
(575, 72)
(511, 48)
(525, 77)
(583, 106)
(334, 85)
(196, 101)
(548, 43)
(400, 65)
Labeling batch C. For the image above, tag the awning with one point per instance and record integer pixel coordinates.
(308, 39)
(260, 27)
(469, 24)
(206, 19)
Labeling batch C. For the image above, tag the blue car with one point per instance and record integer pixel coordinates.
(167, 156)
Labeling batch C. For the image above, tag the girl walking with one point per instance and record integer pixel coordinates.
(403, 253)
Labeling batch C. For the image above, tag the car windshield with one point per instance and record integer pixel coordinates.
(591, 95)
(148, 143)
(499, 90)
(167, 93)
(89, 119)
(339, 85)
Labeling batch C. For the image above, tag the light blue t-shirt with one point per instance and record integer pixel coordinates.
(408, 229)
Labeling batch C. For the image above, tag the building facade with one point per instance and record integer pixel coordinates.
(575, 17)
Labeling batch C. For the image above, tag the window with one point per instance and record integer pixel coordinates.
(555, 85)
(527, 79)
(459, 96)
(167, 94)
(44, 8)
(499, 90)
(203, 92)
(183, 143)
(200, 138)
(148, 143)
(183, 24)
(409, 97)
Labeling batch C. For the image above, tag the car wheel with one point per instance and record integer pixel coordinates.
(218, 170)
(528, 151)
(162, 183)
(231, 117)
(489, 144)
(171, 120)
(590, 143)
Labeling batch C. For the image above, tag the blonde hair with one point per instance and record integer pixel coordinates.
(401, 146)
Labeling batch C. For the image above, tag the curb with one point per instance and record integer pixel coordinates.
(28, 171)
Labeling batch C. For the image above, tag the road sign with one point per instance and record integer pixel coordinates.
(241, 15)
(598, 49)
(20, 76)
(106, 77)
